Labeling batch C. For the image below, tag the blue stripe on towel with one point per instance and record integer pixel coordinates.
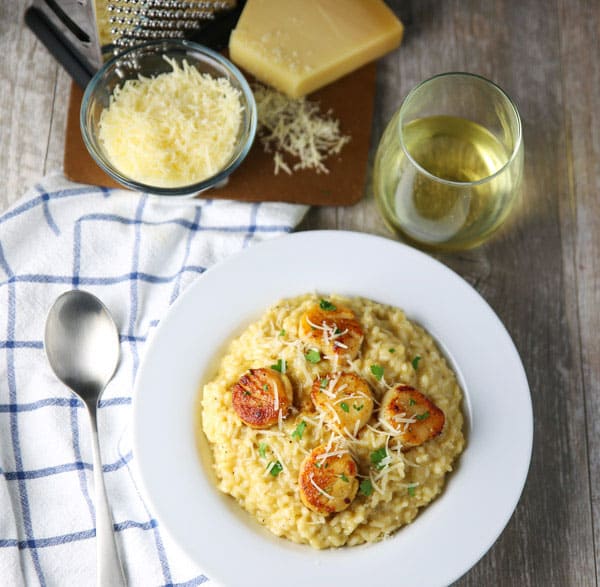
(14, 420)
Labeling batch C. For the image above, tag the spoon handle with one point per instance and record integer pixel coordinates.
(109, 569)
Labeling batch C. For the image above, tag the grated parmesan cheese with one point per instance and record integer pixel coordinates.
(174, 129)
(319, 489)
(298, 128)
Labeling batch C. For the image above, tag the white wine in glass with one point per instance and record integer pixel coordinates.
(448, 180)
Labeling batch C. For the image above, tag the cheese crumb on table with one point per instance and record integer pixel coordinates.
(174, 129)
(298, 128)
(298, 46)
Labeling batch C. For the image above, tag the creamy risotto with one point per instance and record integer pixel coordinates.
(332, 420)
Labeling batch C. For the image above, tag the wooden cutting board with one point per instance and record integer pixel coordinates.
(350, 100)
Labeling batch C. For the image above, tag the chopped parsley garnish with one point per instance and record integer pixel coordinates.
(377, 458)
(422, 416)
(279, 366)
(358, 408)
(313, 356)
(324, 383)
(411, 490)
(262, 450)
(337, 331)
(299, 430)
(415, 362)
(274, 468)
(246, 392)
(327, 306)
(366, 487)
(282, 332)
(345, 407)
(392, 350)
(344, 478)
(411, 402)
(266, 387)
(377, 370)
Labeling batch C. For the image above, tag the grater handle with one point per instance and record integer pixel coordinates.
(58, 46)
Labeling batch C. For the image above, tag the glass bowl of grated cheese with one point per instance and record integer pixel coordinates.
(170, 118)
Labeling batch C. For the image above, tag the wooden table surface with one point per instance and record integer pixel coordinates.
(541, 274)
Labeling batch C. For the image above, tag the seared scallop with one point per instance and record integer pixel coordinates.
(333, 330)
(260, 395)
(416, 418)
(344, 399)
(327, 480)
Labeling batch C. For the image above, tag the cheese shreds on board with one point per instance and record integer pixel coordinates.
(174, 129)
(296, 127)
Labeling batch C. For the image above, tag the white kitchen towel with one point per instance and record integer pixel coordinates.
(137, 253)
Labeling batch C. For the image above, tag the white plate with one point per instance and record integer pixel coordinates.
(450, 535)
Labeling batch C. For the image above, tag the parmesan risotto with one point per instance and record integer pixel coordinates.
(373, 427)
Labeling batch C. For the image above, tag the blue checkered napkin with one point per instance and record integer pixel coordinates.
(137, 254)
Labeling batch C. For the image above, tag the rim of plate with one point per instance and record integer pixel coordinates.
(455, 530)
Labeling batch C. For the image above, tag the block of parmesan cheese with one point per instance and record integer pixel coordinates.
(298, 46)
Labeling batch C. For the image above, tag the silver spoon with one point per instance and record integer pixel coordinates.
(82, 346)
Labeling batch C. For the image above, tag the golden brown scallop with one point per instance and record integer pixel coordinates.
(344, 399)
(260, 395)
(327, 480)
(333, 330)
(410, 412)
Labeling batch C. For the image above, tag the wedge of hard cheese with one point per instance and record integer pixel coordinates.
(298, 46)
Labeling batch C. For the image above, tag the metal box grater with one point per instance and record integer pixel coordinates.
(81, 34)
(75, 21)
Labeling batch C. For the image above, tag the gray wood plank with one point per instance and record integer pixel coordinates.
(27, 103)
(580, 48)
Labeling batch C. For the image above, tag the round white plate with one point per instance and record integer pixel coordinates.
(449, 536)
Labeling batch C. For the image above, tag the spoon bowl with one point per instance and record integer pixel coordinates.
(81, 342)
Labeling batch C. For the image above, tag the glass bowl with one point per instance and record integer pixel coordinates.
(148, 60)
